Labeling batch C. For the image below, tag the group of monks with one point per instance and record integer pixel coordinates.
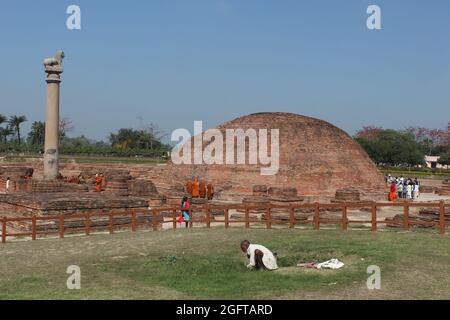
(80, 180)
(199, 189)
(76, 179)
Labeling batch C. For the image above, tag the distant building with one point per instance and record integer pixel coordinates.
(432, 162)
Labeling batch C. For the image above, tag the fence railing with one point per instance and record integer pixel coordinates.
(133, 219)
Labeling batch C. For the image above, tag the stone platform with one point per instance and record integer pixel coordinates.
(47, 204)
(445, 189)
(67, 204)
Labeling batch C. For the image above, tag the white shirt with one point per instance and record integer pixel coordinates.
(269, 260)
(7, 185)
(409, 190)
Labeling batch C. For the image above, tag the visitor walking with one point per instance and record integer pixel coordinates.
(185, 206)
(405, 190)
(8, 184)
(416, 190)
(409, 191)
(400, 190)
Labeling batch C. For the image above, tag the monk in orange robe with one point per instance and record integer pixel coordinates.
(195, 189)
(189, 187)
(393, 192)
(98, 183)
(210, 191)
(202, 189)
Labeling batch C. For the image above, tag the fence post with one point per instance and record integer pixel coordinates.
(4, 229)
(61, 226)
(406, 216)
(247, 218)
(208, 217)
(33, 227)
(317, 217)
(344, 217)
(374, 217)
(268, 218)
(87, 224)
(442, 217)
(154, 223)
(292, 218)
(174, 219)
(227, 218)
(133, 220)
(111, 226)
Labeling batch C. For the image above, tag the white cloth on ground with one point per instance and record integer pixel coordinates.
(330, 264)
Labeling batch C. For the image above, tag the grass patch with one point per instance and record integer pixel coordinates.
(208, 264)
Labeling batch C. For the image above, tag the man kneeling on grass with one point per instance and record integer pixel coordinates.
(260, 258)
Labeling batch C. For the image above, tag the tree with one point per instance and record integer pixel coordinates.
(3, 119)
(444, 159)
(154, 133)
(435, 141)
(419, 133)
(36, 136)
(15, 122)
(132, 141)
(125, 138)
(5, 133)
(65, 126)
(368, 132)
(393, 148)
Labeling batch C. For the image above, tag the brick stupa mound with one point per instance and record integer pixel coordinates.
(316, 158)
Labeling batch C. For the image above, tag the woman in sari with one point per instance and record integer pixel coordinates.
(185, 206)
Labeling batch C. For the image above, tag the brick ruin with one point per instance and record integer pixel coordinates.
(316, 159)
(318, 162)
(445, 188)
(29, 196)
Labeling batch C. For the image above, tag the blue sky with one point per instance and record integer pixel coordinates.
(172, 62)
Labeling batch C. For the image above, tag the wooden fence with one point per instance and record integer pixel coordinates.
(155, 217)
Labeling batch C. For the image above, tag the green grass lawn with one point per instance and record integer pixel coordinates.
(437, 175)
(208, 264)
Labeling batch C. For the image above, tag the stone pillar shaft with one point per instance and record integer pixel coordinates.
(53, 69)
(51, 162)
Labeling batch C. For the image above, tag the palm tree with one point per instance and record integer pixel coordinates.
(5, 133)
(2, 119)
(15, 122)
(37, 133)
